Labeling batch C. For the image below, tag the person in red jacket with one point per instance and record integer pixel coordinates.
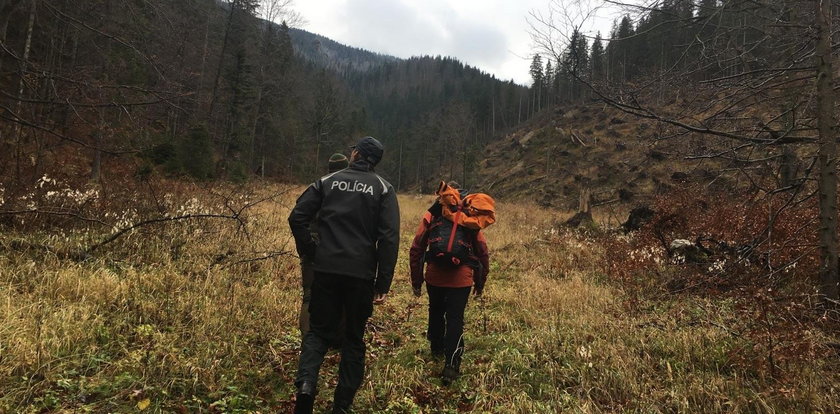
(449, 290)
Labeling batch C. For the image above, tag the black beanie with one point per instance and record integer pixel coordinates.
(338, 162)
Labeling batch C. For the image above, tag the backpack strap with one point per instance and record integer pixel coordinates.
(454, 229)
(436, 210)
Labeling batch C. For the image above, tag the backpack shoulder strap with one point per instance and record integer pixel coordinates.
(453, 231)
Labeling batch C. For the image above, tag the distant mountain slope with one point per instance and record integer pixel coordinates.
(436, 112)
(327, 53)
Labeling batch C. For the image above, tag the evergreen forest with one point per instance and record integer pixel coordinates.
(226, 90)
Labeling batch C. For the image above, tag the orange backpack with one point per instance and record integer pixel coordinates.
(476, 211)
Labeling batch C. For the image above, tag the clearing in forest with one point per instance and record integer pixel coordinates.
(201, 316)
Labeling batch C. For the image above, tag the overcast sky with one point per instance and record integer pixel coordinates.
(492, 35)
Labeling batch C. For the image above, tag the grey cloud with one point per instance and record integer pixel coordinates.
(481, 45)
(390, 27)
(404, 28)
(396, 28)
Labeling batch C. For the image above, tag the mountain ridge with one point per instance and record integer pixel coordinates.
(331, 54)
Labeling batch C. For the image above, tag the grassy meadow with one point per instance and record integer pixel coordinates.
(200, 316)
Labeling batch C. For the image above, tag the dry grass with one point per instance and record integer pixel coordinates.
(170, 316)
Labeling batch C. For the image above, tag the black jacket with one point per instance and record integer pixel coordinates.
(358, 225)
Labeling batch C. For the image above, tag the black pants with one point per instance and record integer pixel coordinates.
(446, 322)
(307, 276)
(332, 296)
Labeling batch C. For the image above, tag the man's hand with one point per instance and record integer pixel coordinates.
(307, 251)
(417, 291)
(478, 292)
(379, 298)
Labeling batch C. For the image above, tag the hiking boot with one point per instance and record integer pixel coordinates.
(342, 400)
(339, 409)
(305, 398)
(449, 375)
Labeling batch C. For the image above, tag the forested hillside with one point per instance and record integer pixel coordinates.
(95, 90)
(329, 54)
(733, 96)
(436, 112)
(191, 87)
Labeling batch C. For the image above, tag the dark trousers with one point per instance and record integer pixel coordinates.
(332, 296)
(446, 322)
(307, 276)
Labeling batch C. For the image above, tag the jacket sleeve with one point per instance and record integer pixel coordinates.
(388, 241)
(417, 252)
(302, 215)
(483, 254)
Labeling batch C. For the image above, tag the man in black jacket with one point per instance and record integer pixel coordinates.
(337, 162)
(358, 225)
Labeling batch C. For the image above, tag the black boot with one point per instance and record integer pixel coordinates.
(449, 375)
(305, 398)
(337, 409)
(342, 400)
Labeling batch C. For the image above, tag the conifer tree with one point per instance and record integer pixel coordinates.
(537, 78)
(619, 50)
(548, 81)
(597, 58)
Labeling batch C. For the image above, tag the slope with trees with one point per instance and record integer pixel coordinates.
(743, 84)
(218, 90)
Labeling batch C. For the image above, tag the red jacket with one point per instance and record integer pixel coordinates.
(461, 276)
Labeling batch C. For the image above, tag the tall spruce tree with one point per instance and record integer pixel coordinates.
(597, 59)
(620, 50)
(537, 79)
(548, 81)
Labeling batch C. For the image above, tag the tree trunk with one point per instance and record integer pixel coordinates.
(317, 151)
(203, 63)
(827, 159)
(96, 164)
(253, 134)
(532, 109)
(5, 15)
(4, 25)
(584, 205)
(233, 5)
(19, 147)
(400, 166)
(464, 160)
(99, 134)
(266, 46)
(787, 169)
(493, 111)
